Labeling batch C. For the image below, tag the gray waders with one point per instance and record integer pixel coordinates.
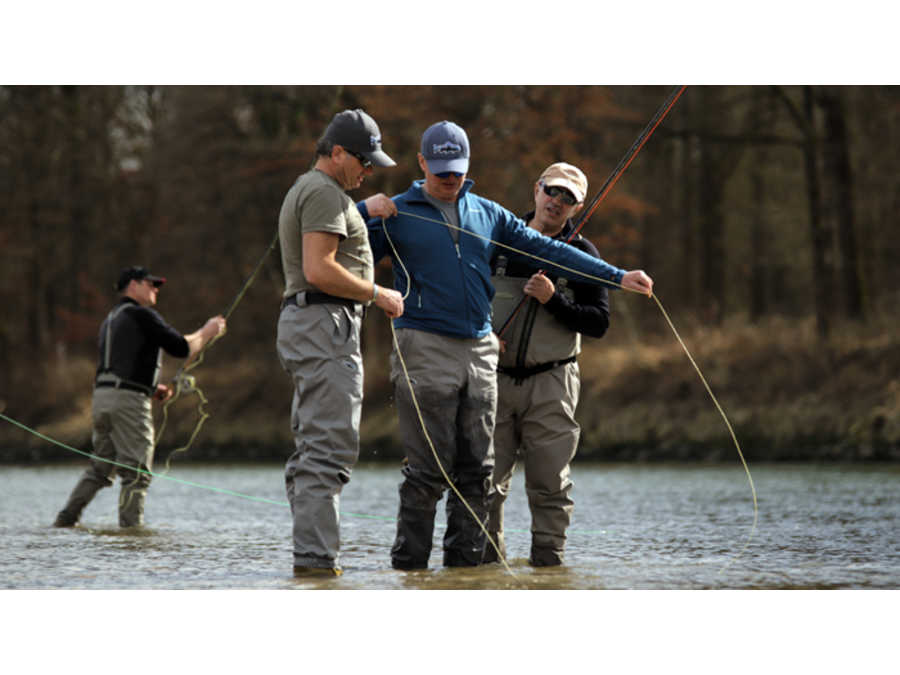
(123, 433)
(454, 381)
(318, 345)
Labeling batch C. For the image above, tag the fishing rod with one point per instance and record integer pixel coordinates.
(234, 303)
(612, 179)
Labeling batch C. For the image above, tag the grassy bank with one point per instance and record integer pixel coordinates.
(787, 394)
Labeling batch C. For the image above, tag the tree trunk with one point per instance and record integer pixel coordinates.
(840, 173)
(758, 239)
(823, 283)
(711, 219)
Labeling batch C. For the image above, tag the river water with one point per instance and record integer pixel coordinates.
(634, 527)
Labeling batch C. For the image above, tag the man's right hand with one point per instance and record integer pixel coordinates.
(214, 327)
(390, 301)
(638, 281)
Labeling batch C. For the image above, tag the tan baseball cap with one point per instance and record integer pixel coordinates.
(566, 176)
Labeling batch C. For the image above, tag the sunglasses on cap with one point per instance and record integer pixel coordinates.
(362, 160)
(554, 191)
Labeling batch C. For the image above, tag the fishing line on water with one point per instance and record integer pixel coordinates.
(136, 468)
(212, 488)
(182, 481)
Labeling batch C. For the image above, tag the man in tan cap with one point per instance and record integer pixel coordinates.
(538, 379)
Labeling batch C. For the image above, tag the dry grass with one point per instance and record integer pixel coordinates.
(785, 392)
(778, 383)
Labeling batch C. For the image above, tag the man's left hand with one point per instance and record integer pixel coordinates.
(540, 288)
(163, 393)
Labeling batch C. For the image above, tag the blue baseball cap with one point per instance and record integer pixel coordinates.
(445, 147)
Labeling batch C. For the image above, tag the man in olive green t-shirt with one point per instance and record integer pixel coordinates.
(329, 276)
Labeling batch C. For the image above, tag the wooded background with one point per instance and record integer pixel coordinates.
(749, 204)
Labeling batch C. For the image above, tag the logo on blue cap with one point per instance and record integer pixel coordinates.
(449, 148)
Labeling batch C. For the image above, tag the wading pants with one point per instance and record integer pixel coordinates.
(454, 382)
(122, 432)
(318, 345)
(536, 426)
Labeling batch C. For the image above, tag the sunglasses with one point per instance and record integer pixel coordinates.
(564, 195)
(447, 174)
(366, 163)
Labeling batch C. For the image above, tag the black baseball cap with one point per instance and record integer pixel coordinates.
(356, 131)
(137, 274)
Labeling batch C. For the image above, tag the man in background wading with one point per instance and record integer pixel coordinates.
(447, 344)
(132, 339)
(329, 276)
(538, 379)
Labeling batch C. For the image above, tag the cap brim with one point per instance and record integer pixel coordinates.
(458, 165)
(379, 158)
(156, 281)
(567, 184)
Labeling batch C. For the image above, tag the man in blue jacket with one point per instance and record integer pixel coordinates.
(441, 242)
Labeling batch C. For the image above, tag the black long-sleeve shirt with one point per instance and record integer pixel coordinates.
(138, 333)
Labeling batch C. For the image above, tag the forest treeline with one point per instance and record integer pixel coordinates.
(765, 206)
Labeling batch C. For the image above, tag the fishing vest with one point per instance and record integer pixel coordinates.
(534, 337)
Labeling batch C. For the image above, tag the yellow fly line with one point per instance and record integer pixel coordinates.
(665, 314)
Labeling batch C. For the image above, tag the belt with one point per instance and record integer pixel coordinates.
(520, 373)
(126, 385)
(316, 298)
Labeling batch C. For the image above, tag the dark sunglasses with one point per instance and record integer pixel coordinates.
(555, 191)
(447, 174)
(366, 163)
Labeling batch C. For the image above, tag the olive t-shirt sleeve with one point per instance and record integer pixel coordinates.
(323, 211)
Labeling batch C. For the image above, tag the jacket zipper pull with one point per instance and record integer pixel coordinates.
(458, 254)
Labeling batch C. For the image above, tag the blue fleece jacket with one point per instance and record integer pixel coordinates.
(451, 288)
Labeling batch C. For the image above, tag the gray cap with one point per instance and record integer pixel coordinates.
(357, 132)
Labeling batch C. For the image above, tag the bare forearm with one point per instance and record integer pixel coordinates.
(333, 278)
(198, 339)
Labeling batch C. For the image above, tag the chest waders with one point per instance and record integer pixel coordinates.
(537, 341)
